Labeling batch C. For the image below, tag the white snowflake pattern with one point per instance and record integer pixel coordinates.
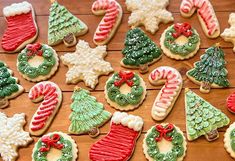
(86, 64)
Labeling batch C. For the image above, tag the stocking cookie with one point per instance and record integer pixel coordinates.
(87, 114)
(112, 12)
(51, 95)
(9, 87)
(231, 102)
(169, 93)
(164, 142)
(125, 90)
(140, 51)
(12, 136)
(229, 140)
(202, 118)
(21, 26)
(210, 71)
(86, 64)
(229, 33)
(37, 62)
(148, 13)
(180, 41)
(205, 13)
(44, 148)
(63, 26)
(119, 143)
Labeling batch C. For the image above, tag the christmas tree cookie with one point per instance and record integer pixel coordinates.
(21, 26)
(125, 90)
(180, 41)
(44, 149)
(231, 102)
(229, 140)
(87, 114)
(8, 85)
(37, 62)
(63, 26)
(210, 71)
(202, 118)
(119, 143)
(164, 142)
(140, 51)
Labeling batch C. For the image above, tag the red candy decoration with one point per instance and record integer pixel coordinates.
(182, 29)
(231, 103)
(51, 142)
(164, 131)
(34, 49)
(126, 77)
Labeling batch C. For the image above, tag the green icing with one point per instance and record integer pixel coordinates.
(87, 113)
(67, 151)
(232, 139)
(211, 68)
(182, 50)
(43, 69)
(139, 48)
(176, 152)
(61, 23)
(201, 116)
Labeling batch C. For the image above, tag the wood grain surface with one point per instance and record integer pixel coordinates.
(198, 150)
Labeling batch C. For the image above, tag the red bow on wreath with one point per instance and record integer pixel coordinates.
(182, 29)
(126, 77)
(164, 131)
(51, 142)
(33, 49)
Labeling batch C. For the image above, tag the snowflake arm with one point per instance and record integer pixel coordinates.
(90, 79)
(73, 75)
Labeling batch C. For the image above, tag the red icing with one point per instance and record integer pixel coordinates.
(51, 142)
(231, 102)
(20, 28)
(126, 77)
(34, 49)
(164, 131)
(182, 29)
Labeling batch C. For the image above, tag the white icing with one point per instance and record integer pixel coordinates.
(86, 64)
(12, 135)
(131, 121)
(17, 9)
(149, 13)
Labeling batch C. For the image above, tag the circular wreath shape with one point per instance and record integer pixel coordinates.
(180, 51)
(117, 98)
(167, 132)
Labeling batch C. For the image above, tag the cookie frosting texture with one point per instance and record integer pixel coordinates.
(17, 9)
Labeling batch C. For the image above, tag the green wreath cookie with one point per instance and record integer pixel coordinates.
(125, 90)
(229, 140)
(37, 62)
(157, 143)
(180, 41)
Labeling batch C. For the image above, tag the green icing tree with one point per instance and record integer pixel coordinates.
(140, 50)
(87, 114)
(63, 26)
(202, 118)
(210, 71)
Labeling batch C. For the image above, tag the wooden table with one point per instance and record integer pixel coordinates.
(198, 150)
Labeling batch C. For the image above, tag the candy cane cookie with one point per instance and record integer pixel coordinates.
(206, 15)
(112, 12)
(51, 95)
(169, 93)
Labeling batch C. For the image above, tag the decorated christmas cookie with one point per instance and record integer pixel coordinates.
(210, 71)
(37, 62)
(51, 95)
(202, 118)
(205, 13)
(148, 13)
(86, 64)
(164, 142)
(169, 93)
(21, 26)
(140, 51)
(112, 12)
(8, 85)
(45, 147)
(229, 140)
(229, 33)
(87, 114)
(231, 102)
(119, 143)
(180, 41)
(125, 90)
(12, 136)
(63, 26)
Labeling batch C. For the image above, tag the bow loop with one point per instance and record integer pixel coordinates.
(34, 49)
(182, 29)
(51, 142)
(163, 131)
(126, 77)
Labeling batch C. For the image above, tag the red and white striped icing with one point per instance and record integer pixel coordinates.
(205, 10)
(112, 11)
(169, 91)
(51, 101)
